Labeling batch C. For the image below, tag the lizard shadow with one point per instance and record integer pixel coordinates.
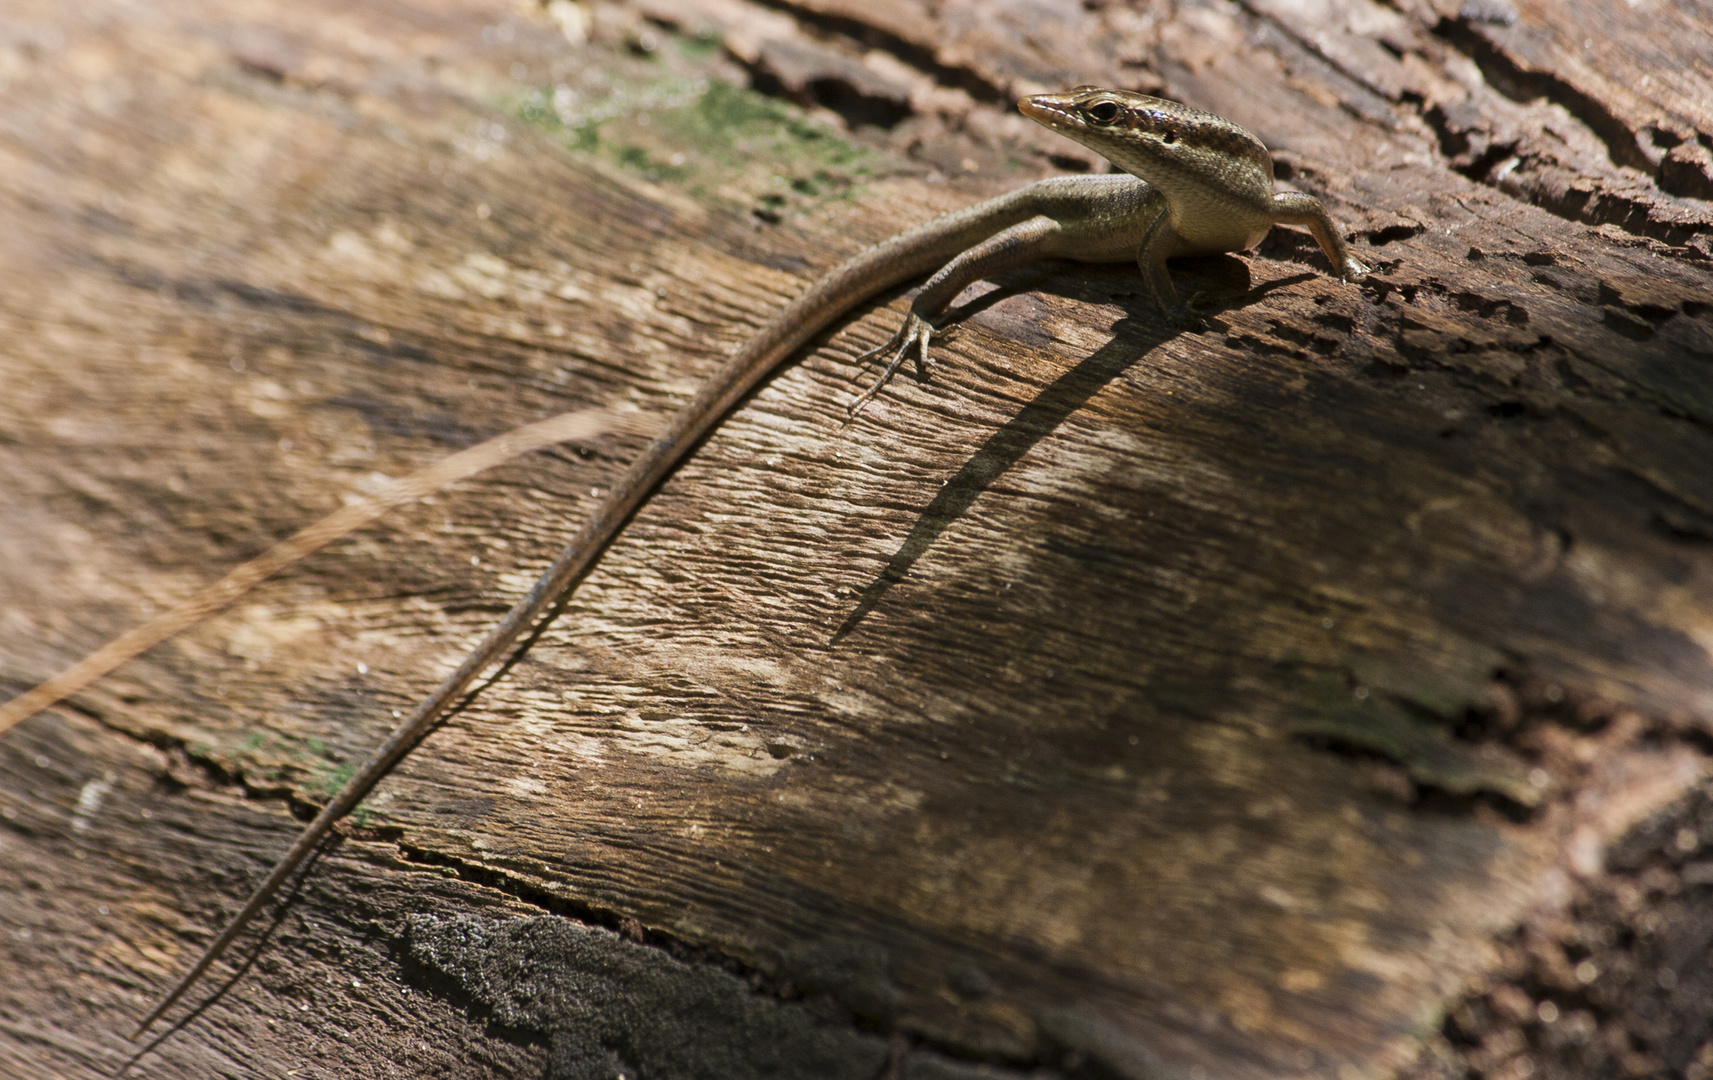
(1220, 278)
(282, 909)
(1133, 337)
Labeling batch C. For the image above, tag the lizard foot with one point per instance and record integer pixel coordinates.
(1186, 316)
(916, 331)
(1353, 269)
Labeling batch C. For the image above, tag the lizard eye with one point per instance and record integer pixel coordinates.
(1103, 112)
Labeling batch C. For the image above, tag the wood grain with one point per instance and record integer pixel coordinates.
(1118, 703)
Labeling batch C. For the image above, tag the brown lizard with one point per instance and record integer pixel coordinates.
(1192, 184)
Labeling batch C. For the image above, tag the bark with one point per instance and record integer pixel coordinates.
(1119, 702)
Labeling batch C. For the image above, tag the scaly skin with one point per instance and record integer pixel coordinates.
(1217, 179)
(1197, 184)
(1193, 184)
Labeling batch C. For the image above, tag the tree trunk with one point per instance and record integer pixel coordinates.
(1324, 692)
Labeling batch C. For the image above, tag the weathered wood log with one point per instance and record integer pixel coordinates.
(1118, 703)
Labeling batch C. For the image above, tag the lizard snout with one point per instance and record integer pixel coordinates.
(1049, 110)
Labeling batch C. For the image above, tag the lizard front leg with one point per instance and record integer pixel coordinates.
(1159, 242)
(1295, 208)
(1021, 244)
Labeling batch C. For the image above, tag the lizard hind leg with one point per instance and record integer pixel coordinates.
(1021, 244)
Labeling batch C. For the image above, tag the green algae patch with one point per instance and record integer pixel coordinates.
(713, 140)
(329, 778)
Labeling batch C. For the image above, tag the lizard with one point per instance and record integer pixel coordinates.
(1190, 183)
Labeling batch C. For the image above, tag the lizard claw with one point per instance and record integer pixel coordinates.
(916, 331)
(1196, 308)
(1186, 316)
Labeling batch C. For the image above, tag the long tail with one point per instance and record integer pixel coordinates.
(881, 267)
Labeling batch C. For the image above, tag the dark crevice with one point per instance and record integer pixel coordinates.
(1465, 143)
(1437, 800)
(1684, 528)
(1392, 234)
(917, 56)
(1481, 159)
(1496, 164)
(1503, 74)
(844, 96)
(1420, 794)
(1507, 753)
(1600, 207)
(625, 926)
(827, 77)
(1051, 1063)
(1453, 130)
(1354, 80)
(1557, 188)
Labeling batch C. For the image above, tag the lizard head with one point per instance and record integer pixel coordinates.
(1147, 136)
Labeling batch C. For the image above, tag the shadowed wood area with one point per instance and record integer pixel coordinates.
(1323, 692)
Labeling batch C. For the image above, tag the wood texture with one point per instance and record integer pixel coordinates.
(1118, 703)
